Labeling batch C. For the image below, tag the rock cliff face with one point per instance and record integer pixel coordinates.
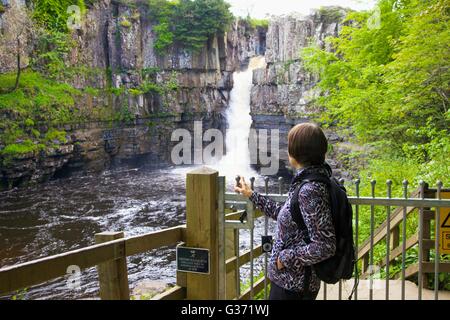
(282, 92)
(118, 55)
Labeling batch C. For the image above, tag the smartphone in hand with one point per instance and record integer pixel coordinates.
(238, 182)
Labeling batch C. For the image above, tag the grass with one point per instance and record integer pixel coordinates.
(37, 97)
(32, 113)
(25, 147)
(37, 100)
(57, 135)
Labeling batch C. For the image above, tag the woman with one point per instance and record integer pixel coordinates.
(296, 250)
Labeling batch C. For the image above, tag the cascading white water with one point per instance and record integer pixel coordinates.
(237, 158)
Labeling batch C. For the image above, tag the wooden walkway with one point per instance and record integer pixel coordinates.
(379, 292)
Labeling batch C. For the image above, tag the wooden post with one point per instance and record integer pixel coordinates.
(395, 238)
(202, 230)
(365, 263)
(113, 275)
(181, 279)
(230, 252)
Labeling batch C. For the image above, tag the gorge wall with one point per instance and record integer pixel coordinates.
(122, 56)
(283, 92)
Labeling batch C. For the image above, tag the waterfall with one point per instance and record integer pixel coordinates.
(236, 160)
(237, 157)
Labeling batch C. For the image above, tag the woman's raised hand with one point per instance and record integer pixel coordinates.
(244, 188)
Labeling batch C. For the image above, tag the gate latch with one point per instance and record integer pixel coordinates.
(243, 216)
(266, 243)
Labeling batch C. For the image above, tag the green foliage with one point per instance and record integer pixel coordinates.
(389, 83)
(331, 13)
(150, 87)
(200, 19)
(91, 91)
(117, 91)
(29, 122)
(14, 149)
(189, 22)
(125, 23)
(37, 101)
(246, 285)
(51, 53)
(150, 72)
(172, 83)
(38, 98)
(125, 115)
(2, 8)
(56, 135)
(162, 12)
(257, 23)
(443, 277)
(164, 37)
(52, 14)
(20, 294)
(135, 92)
(35, 133)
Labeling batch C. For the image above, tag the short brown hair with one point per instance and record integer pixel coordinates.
(307, 144)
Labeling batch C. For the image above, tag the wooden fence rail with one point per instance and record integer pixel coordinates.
(205, 229)
(31, 273)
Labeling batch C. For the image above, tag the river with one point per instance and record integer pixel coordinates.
(65, 214)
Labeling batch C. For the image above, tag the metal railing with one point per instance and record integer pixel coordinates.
(237, 213)
(388, 231)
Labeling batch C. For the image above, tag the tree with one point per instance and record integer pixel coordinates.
(198, 20)
(390, 82)
(16, 34)
(188, 22)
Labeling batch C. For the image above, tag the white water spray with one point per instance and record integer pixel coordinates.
(237, 158)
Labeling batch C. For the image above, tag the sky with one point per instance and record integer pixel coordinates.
(260, 8)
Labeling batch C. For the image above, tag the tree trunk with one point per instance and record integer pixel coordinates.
(16, 86)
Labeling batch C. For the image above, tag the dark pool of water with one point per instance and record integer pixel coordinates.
(65, 214)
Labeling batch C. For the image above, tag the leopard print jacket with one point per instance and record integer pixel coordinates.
(289, 243)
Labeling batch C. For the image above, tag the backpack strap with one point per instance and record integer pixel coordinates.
(297, 217)
(295, 206)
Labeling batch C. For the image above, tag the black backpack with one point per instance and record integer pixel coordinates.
(342, 264)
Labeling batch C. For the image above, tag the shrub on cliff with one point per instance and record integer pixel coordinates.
(188, 22)
(257, 23)
(53, 14)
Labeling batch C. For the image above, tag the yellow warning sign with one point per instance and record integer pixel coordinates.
(444, 230)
